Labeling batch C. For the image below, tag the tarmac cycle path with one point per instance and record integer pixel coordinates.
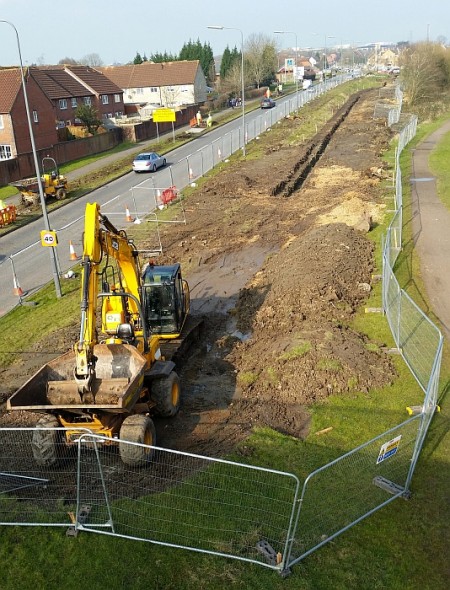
(431, 231)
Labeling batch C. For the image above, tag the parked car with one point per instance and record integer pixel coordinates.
(267, 103)
(148, 162)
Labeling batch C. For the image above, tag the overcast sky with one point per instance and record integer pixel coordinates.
(116, 29)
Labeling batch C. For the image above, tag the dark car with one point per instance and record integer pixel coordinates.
(148, 162)
(267, 103)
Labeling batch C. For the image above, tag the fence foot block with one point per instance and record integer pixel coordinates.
(390, 487)
(82, 517)
(269, 552)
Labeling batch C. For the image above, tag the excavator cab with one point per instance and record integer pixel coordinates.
(166, 299)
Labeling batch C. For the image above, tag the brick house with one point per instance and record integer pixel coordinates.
(54, 92)
(14, 131)
(169, 84)
(68, 86)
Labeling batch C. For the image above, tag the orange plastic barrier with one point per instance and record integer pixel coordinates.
(168, 195)
(8, 215)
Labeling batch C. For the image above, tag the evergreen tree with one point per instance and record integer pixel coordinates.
(138, 59)
(225, 63)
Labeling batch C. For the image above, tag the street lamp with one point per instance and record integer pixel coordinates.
(36, 165)
(221, 28)
(296, 50)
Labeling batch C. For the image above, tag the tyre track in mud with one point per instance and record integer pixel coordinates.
(317, 146)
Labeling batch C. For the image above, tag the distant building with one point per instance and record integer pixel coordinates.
(151, 85)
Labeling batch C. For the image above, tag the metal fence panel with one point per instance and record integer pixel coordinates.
(340, 494)
(32, 493)
(185, 500)
(419, 341)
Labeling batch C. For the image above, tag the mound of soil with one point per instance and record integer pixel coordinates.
(277, 279)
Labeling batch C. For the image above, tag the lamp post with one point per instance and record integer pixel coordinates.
(295, 69)
(221, 28)
(36, 165)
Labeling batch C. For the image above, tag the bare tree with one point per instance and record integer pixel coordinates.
(91, 59)
(170, 96)
(425, 72)
(260, 58)
(68, 60)
(232, 83)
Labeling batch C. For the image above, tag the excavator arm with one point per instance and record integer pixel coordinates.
(101, 242)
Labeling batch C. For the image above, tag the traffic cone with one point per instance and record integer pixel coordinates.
(159, 202)
(73, 255)
(17, 289)
(127, 215)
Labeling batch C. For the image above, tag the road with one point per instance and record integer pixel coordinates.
(25, 265)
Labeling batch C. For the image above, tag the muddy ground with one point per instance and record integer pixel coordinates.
(278, 259)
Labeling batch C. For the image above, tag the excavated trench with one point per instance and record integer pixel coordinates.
(297, 176)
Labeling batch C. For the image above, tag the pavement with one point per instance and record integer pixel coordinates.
(104, 161)
(431, 233)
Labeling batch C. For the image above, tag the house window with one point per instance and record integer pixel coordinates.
(62, 103)
(35, 117)
(119, 114)
(139, 91)
(105, 99)
(74, 103)
(117, 98)
(1, 122)
(153, 89)
(60, 124)
(5, 152)
(87, 101)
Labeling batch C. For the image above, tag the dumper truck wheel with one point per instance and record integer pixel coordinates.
(45, 441)
(60, 194)
(166, 393)
(136, 429)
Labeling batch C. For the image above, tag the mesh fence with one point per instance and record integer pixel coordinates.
(38, 477)
(343, 492)
(189, 501)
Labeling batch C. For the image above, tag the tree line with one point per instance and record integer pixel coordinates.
(260, 62)
(425, 76)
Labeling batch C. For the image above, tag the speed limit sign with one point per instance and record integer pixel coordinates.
(48, 238)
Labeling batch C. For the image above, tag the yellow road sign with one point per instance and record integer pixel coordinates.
(48, 238)
(163, 115)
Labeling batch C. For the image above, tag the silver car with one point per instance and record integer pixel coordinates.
(148, 162)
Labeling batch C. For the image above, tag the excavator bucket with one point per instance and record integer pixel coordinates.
(119, 374)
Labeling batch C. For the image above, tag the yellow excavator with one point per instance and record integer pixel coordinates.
(115, 378)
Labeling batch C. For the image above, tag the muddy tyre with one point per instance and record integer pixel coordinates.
(60, 194)
(166, 393)
(45, 441)
(136, 429)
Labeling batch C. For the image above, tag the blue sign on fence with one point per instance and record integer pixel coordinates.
(388, 449)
